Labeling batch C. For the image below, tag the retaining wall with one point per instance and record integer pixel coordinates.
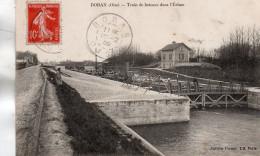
(140, 112)
(254, 98)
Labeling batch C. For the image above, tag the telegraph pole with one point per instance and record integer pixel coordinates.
(96, 65)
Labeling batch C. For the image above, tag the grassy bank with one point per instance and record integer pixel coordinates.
(248, 76)
(92, 131)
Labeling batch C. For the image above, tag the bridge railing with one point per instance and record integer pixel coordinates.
(177, 86)
(200, 94)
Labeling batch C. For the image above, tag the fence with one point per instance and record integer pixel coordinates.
(200, 94)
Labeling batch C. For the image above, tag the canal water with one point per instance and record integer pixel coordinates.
(213, 132)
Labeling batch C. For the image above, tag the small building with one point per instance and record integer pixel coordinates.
(174, 53)
(29, 59)
(26, 60)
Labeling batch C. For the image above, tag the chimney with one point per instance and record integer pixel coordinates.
(173, 42)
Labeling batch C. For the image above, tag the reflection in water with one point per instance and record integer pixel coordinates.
(209, 132)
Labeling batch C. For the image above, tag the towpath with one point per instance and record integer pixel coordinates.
(94, 88)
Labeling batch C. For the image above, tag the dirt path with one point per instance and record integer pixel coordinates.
(28, 86)
(53, 139)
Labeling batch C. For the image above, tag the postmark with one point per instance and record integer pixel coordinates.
(44, 26)
(107, 34)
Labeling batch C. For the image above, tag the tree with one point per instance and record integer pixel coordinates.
(241, 48)
(133, 55)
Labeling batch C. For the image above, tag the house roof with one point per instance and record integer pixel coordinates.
(173, 46)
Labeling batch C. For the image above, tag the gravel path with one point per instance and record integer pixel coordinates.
(28, 86)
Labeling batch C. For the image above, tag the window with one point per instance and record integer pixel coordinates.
(170, 56)
(181, 57)
(164, 56)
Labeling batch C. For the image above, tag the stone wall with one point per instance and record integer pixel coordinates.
(147, 111)
(254, 98)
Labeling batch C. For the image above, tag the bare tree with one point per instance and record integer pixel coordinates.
(241, 48)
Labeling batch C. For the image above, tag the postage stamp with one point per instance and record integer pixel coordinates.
(107, 34)
(43, 23)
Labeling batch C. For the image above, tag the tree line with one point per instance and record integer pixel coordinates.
(241, 48)
(133, 55)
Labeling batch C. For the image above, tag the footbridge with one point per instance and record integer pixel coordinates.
(201, 92)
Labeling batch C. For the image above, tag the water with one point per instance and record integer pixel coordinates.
(214, 132)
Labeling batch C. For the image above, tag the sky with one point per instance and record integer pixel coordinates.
(208, 21)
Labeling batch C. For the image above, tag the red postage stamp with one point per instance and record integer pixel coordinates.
(43, 23)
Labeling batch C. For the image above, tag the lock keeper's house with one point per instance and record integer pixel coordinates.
(174, 53)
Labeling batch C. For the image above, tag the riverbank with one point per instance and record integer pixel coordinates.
(92, 131)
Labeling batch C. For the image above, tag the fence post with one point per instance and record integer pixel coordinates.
(203, 100)
(220, 86)
(159, 84)
(196, 84)
(179, 87)
(226, 100)
(242, 87)
(231, 86)
(209, 87)
(169, 86)
(188, 86)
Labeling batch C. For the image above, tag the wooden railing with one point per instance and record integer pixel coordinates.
(199, 94)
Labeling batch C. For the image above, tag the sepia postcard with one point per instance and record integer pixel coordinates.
(137, 77)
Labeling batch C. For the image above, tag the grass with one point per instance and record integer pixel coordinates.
(248, 76)
(93, 132)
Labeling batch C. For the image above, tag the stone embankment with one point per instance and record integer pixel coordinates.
(254, 98)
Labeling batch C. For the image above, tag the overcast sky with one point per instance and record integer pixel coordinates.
(153, 27)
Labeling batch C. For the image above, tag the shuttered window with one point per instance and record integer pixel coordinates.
(170, 56)
(164, 56)
(181, 57)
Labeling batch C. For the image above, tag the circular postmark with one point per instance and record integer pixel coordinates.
(107, 34)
